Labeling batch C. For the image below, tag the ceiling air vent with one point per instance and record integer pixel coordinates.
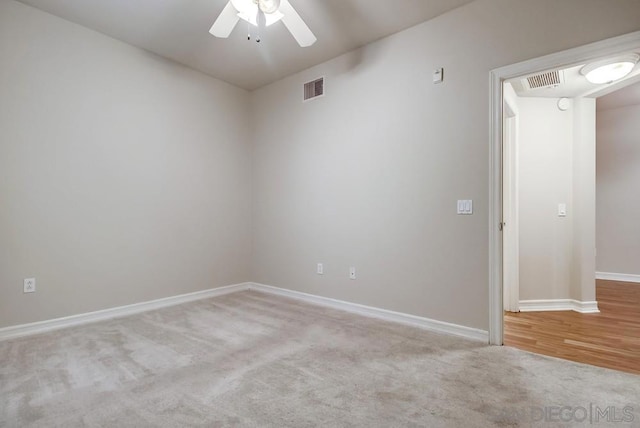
(314, 89)
(549, 79)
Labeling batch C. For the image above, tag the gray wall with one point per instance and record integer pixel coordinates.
(618, 181)
(123, 177)
(369, 175)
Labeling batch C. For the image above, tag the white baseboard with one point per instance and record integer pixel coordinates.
(559, 305)
(622, 277)
(412, 320)
(121, 311)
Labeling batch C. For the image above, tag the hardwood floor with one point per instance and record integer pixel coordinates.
(609, 339)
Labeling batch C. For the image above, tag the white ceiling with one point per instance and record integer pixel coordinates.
(179, 30)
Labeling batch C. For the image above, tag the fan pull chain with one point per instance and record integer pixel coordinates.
(260, 19)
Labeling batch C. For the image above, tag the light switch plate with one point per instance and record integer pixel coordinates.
(465, 207)
(438, 75)
(562, 210)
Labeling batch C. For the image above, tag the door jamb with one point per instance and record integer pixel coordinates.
(510, 229)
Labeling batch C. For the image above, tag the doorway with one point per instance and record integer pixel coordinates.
(500, 126)
(556, 117)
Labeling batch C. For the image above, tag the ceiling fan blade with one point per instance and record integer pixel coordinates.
(226, 22)
(296, 25)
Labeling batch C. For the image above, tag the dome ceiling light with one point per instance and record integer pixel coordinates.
(611, 69)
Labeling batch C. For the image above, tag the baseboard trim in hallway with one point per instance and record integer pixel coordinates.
(384, 314)
(620, 277)
(13, 332)
(559, 305)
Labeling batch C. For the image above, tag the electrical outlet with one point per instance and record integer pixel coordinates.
(352, 273)
(320, 269)
(30, 285)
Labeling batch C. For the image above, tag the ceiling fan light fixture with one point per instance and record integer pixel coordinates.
(262, 13)
(610, 70)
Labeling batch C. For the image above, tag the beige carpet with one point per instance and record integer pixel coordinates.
(254, 360)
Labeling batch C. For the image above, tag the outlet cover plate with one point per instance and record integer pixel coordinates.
(30, 285)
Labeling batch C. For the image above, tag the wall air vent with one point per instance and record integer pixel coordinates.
(314, 89)
(550, 79)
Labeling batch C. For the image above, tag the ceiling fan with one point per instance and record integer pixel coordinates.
(262, 13)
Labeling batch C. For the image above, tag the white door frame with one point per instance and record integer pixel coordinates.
(510, 229)
(571, 57)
